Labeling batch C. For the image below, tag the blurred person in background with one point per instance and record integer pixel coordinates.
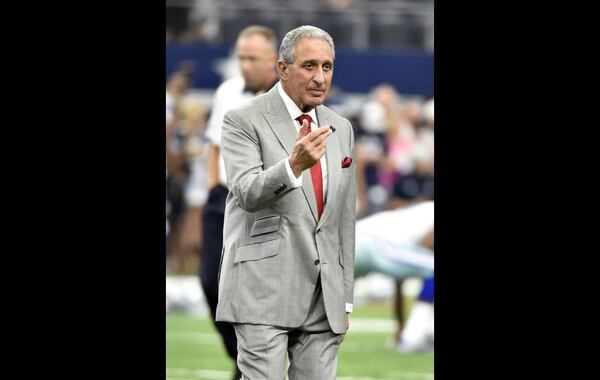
(401, 142)
(195, 150)
(380, 144)
(424, 151)
(395, 152)
(418, 332)
(177, 87)
(256, 50)
(377, 115)
(417, 184)
(413, 158)
(398, 243)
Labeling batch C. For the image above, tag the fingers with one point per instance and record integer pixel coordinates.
(321, 152)
(321, 138)
(302, 131)
(317, 137)
(313, 143)
(317, 146)
(317, 133)
(317, 152)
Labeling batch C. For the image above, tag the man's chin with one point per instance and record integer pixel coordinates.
(314, 101)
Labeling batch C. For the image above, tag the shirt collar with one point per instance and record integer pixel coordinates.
(292, 108)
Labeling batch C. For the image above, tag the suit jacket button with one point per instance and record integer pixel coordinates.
(317, 262)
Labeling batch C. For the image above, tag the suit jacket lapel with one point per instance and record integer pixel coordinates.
(332, 153)
(279, 120)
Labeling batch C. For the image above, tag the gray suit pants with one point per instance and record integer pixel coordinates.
(312, 348)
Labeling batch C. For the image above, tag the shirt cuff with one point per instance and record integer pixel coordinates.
(349, 307)
(296, 182)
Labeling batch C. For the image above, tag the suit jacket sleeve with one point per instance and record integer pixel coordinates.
(347, 228)
(253, 186)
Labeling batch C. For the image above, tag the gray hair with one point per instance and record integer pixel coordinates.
(287, 49)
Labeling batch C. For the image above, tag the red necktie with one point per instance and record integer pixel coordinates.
(315, 171)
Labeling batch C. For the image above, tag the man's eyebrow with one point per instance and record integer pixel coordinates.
(315, 62)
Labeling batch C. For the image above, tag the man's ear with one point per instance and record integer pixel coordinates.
(282, 68)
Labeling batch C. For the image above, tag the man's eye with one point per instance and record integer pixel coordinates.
(309, 65)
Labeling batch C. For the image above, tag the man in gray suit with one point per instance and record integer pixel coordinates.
(287, 267)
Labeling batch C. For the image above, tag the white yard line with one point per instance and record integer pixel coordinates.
(205, 374)
(372, 325)
(178, 373)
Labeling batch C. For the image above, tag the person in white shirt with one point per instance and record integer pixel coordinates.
(256, 51)
(176, 88)
(399, 243)
(394, 242)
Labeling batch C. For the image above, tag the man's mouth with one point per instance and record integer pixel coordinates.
(316, 92)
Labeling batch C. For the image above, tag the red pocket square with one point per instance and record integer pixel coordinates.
(346, 162)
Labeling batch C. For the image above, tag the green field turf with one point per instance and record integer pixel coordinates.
(195, 351)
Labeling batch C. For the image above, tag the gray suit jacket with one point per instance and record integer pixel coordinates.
(271, 236)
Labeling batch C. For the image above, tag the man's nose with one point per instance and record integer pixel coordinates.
(319, 77)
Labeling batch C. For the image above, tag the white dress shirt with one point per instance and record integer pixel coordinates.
(229, 95)
(294, 112)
